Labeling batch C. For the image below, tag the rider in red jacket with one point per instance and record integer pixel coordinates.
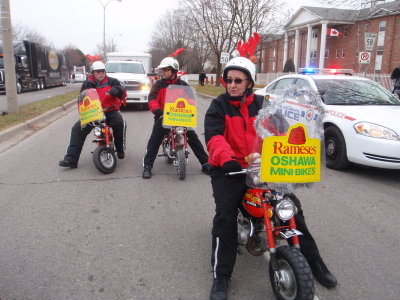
(110, 93)
(230, 136)
(169, 67)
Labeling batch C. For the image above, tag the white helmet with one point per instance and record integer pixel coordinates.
(169, 62)
(242, 64)
(97, 65)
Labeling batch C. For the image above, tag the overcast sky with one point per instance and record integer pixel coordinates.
(129, 23)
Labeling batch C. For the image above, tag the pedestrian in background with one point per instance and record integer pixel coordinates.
(395, 77)
(202, 78)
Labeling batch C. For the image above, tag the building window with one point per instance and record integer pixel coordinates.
(337, 53)
(379, 50)
(343, 52)
(326, 53)
(366, 28)
(358, 29)
(313, 54)
(314, 34)
(345, 31)
(273, 54)
(382, 26)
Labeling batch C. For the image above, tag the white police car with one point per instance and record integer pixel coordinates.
(362, 119)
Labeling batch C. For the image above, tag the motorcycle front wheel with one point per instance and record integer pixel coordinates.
(293, 280)
(104, 159)
(181, 163)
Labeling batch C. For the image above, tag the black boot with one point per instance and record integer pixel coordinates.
(146, 172)
(67, 164)
(322, 274)
(219, 290)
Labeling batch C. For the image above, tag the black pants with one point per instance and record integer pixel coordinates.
(228, 193)
(157, 136)
(78, 135)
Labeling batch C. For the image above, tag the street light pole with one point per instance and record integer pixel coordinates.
(104, 23)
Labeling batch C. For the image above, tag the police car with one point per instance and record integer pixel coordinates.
(362, 119)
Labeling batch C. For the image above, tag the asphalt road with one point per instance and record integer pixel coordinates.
(33, 96)
(78, 234)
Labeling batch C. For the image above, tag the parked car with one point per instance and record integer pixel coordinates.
(361, 122)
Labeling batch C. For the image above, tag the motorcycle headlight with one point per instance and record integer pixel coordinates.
(375, 131)
(285, 209)
(97, 131)
(179, 130)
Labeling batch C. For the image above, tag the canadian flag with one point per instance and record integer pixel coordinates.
(333, 32)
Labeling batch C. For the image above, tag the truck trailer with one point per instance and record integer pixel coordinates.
(36, 66)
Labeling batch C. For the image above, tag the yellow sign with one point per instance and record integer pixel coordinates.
(53, 60)
(293, 158)
(180, 113)
(90, 110)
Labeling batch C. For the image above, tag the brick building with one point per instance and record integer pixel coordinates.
(333, 38)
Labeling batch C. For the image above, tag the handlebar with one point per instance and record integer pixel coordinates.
(244, 171)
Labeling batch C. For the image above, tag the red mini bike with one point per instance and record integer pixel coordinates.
(175, 149)
(265, 218)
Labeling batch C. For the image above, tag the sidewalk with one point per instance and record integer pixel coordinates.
(13, 135)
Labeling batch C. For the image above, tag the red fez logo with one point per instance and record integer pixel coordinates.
(180, 104)
(297, 136)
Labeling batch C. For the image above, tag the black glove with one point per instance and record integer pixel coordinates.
(117, 91)
(231, 166)
(158, 113)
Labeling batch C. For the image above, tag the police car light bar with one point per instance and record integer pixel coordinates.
(325, 71)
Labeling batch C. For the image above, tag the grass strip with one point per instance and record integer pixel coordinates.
(32, 110)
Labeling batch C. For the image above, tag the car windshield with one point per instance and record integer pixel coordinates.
(124, 68)
(354, 92)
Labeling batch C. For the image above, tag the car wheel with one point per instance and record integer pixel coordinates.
(335, 149)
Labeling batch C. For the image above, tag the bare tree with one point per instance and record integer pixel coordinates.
(75, 57)
(22, 32)
(215, 21)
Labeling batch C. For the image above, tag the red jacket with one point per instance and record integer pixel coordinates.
(229, 129)
(103, 90)
(158, 92)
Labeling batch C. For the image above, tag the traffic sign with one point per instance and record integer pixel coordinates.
(369, 40)
(224, 57)
(364, 57)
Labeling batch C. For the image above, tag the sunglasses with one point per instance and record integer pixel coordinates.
(100, 71)
(166, 69)
(236, 80)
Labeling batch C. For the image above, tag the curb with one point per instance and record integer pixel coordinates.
(32, 124)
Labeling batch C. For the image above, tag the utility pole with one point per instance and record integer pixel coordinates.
(9, 64)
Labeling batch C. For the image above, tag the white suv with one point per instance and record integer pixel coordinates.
(134, 78)
(361, 122)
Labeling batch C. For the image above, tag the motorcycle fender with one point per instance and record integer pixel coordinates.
(290, 233)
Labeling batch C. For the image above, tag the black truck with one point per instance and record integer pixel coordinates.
(36, 66)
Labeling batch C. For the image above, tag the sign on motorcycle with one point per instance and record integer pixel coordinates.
(294, 157)
(90, 108)
(180, 113)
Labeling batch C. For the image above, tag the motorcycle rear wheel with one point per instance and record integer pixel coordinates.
(104, 159)
(295, 279)
(181, 164)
